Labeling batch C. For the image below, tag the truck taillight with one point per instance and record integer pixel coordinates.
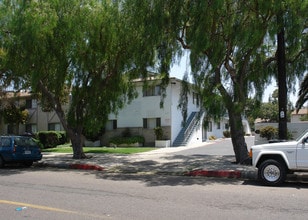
(250, 153)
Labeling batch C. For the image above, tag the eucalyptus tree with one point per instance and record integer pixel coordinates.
(232, 53)
(77, 49)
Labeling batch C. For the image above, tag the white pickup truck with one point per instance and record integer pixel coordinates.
(274, 161)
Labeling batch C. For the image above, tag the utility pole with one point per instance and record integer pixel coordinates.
(282, 78)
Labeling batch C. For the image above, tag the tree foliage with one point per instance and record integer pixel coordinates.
(83, 49)
(266, 111)
(302, 94)
(14, 115)
(78, 49)
(232, 48)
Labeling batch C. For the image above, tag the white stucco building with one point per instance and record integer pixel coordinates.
(143, 114)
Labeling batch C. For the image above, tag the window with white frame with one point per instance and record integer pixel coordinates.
(54, 127)
(111, 125)
(31, 103)
(152, 91)
(218, 125)
(196, 100)
(210, 127)
(151, 123)
(227, 126)
(31, 128)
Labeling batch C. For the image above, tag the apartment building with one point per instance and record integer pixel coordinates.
(38, 120)
(140, 117)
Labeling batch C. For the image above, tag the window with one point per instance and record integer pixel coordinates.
(145, 123)
(227, 126)
(111, 125)
(115, 124)
(151, 123)
(54, 127)
(210, 127)
(158, 122)
(31, 103)
(31, 128)
(152, 91)
(196, 98)
(5, 142)
(218, 125)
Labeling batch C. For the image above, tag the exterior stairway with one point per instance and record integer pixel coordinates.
(186, 132)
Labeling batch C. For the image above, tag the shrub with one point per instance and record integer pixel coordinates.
(50, 139)
(158, 133)
(126, 140)
(126, 133)
(212, 137)
(268, 132)
(227, 134)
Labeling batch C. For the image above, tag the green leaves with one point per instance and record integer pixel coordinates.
(14, 115)
(82, 49)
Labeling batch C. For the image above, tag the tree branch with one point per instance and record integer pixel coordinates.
(56, 105)
(227, 65)
(305, 50)
(181, 38)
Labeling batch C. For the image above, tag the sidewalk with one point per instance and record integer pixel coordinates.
(163, 161)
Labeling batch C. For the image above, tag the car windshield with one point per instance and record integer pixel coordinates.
(302, 135)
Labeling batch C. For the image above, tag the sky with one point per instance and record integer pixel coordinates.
(178, 70)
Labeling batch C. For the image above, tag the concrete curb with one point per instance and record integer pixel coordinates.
(235, 174)
(76, 166)
(86, 167)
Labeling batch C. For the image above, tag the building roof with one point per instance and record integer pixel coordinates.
(19, 94)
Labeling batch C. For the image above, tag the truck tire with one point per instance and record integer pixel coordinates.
(272, 172)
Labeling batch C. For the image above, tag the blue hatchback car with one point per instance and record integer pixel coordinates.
(19, 149)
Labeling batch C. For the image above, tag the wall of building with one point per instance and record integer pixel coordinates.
(149, 107)
(38, 120)
(295, 129)
(143, 107)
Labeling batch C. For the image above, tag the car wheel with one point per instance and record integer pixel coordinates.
(1, 162)
(28, 163)
(272, 172)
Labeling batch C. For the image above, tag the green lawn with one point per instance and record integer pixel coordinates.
(100, 150)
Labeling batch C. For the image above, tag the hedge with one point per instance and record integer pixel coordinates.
(126, 140)
(51, 139)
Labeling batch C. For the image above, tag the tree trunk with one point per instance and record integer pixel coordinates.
(75, 135)
(282, 84)
(238, 139)
(77, 144)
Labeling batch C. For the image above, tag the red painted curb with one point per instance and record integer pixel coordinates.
(215, 173)
(86, 167)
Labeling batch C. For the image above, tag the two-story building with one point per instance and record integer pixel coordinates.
(144, 114)
(140, 117)
(38, 120)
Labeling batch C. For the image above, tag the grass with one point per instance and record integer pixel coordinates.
(100, 150)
